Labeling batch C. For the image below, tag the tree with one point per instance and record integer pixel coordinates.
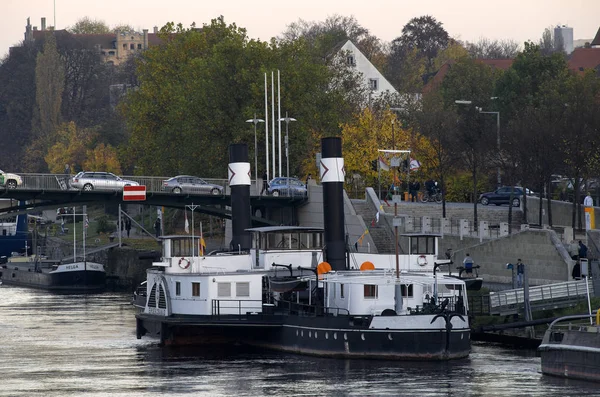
(485, 48)
(426, 35)
(71, 146)
(50, 82)
(86, 25)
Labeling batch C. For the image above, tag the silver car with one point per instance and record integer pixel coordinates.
(191, 184)
(89, 181)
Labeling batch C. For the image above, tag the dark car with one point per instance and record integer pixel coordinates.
(286, 187)
(191, 184)
(502, 196)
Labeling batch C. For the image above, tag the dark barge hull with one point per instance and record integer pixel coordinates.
(326, 336)
(576, 355)
(83, 281)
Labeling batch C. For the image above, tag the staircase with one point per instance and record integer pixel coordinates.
(382, 237)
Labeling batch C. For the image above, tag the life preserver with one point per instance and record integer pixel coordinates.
(184, 263)
(422, 260)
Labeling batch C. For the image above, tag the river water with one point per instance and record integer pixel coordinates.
(65, 345)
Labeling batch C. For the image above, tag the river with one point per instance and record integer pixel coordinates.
(66, 345)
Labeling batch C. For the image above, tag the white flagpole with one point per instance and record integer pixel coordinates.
(279, 116)
(273, 119)
(266, 128)
(74, 239)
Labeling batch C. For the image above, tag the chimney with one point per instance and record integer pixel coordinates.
(155, 29)
(145, 39)
(44, 23)
(239, 181)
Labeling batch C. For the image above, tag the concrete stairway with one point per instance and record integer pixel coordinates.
(383, 239)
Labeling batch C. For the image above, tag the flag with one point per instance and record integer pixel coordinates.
(383, 164)
(202, 242)
(414, 164)
(187, 224)
(377, 217)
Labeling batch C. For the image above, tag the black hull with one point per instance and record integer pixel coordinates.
(325, 337)
(83, 281)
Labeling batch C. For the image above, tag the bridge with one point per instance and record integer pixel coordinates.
(49, 191)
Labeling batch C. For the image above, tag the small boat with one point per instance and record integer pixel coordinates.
(571, 347)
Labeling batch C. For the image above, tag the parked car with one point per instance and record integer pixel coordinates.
(191, 184)
(89, 181)
(286, 187)
(10, 181)
(502, 196)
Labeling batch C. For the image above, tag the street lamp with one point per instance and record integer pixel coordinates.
(287, 155)
(480, 110)
(255, 121)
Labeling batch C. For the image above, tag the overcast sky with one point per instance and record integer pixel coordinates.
(470, 20)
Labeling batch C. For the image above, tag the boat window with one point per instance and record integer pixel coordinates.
(422, 245)
(183, 247)
(177, 288)
(242, 289)
(407, 290)
(290, 241)
(370, 291)
(162, 297)
(195, 289)
(223, 289)
(342, 291)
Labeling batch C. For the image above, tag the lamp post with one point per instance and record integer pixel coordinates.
(287, 155)
(463, 102)
(255, 121)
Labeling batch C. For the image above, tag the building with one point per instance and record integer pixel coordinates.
(114, 48)
(563, 38)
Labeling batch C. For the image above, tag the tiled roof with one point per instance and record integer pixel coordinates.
(596, 40)
(584, 58)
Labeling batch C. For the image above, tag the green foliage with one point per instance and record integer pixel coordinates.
(459, 188)
(104, 225)
(86, 25)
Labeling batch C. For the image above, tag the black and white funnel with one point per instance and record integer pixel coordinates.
(239, 181)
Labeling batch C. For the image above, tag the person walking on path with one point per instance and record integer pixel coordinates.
(308, 178)
(128, 225)
(588, 201)
(468, 265)
(67, 173)
(520, 273)
(582, 250)
(265, 183)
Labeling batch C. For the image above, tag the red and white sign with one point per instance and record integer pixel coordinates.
(134, 193)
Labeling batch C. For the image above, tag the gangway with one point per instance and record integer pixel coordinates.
(542, 297)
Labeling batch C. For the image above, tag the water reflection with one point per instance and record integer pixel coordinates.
(55, 345)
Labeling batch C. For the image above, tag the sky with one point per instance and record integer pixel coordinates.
(470, 20)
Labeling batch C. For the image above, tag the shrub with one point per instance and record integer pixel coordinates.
(103, 225)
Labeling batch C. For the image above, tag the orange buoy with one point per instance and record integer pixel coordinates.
(367, 266)
(323, 268)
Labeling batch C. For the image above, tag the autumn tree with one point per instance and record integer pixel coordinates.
(70, 147)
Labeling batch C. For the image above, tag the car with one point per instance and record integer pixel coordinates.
(191, 184)
(10, 181)
(502, 196)
(282, 186)
(88, 181)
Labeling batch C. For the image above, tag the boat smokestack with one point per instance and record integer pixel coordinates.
(332, 178)
(238, 172)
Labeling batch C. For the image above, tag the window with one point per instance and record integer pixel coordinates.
(350, 60)
(177, 288)
(373, 84)
(407, 290)
(342, 291)
(242, 289)
(195, 289)
(132, 46)
(139, 47)
(124, 46)
(370, 291)
(223, 290)
(111, 53)
(422, 245)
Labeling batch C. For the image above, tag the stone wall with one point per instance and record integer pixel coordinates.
(125, 267)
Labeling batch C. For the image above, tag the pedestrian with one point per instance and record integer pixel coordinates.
(308, 178)
(157, 227)
(62, 225)
(128, 225)
(576, 273)
(265, 183)
(520, 273)
(468, 265)
(588, 201)
(67, 173)
(582, 250)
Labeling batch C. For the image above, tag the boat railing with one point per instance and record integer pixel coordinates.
(239, 307)
(306, 310)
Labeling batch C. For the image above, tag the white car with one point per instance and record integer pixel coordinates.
(10, 181)
(89, 181)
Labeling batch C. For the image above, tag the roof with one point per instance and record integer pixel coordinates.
(584, 58)
(596, 40)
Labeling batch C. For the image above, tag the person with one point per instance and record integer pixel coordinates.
(430, 187)
(265, 183)
(67, 174)
(520, 273)
(128, 226)
(413, 189)
(449, 253)
(157, 227)
(588, 201)
(62, 225)
(308, 178)
(576, 273)
(582, 250)
(468, 265)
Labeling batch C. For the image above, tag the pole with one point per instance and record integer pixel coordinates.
(273, 120)
(255, 154)
(498, 141)
(120, 227)
(279, 117)
(287, 156)
(266, 129)
(74, 239)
